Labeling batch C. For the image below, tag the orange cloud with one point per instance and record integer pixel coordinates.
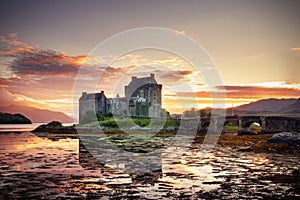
(8, 98)
(249, 92)
(260, 92)
(295, 49)
(30, 60)
(181, 32)
(45, 78)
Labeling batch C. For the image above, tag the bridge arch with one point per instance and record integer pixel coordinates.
(269, 124)
(248, 120)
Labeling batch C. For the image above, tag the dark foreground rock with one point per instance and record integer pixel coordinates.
(290, 138)
(53, 126)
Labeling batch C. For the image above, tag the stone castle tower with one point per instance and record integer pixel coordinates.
(142, 99)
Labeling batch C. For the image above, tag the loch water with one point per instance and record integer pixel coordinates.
(33, 167)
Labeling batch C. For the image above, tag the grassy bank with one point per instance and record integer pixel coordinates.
(252, 143)
(114, 123)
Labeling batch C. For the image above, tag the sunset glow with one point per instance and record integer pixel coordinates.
(37, 71)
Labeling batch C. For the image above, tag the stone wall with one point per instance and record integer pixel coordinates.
(142, 99)
(96, 102)
(269, 124)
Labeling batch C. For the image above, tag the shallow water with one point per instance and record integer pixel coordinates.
(39, 168)
(22, 127)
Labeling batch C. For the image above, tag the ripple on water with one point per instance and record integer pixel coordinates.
(33, 167)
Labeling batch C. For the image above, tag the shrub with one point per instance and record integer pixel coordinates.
(142, 121)
(109, 123)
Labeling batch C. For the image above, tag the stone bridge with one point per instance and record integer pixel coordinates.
(269, 124)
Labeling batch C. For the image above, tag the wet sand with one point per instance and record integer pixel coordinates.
(239, 167)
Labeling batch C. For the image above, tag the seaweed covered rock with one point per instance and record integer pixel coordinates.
(291, 138)
(54, 125)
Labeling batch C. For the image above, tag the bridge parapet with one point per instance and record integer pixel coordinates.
(269, 124)
(282, 124)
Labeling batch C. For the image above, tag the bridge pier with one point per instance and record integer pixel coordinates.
(269, 124)
(263, 124)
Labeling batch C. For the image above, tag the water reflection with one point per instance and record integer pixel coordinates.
(34, 168)
(117, 173)
(259, 159)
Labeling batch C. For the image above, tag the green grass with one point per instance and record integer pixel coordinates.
(129, 122)
(233, 128)
(109, 123)
(171, 122)
(230, 129)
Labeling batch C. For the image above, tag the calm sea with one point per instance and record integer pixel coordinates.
(22, 127)
(33, 167)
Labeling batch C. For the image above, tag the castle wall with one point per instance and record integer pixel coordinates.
(101, 105)
(85, 105)
(146, 101)
(96, 102)
(142, 99)
(120, 106)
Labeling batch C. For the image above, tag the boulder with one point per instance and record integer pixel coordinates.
(291, 138)
(171, 128)
(245, 149)
(100, 128)
(139, 128)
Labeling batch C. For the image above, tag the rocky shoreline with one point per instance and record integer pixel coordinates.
(62, 168)
(260, 143)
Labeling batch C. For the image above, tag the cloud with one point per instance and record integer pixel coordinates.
(249, 92)
(173, 76)
(277, 84)
(8, 98)
(45, 78)
(11, 46)
(45, 62)
(295, 49)
(180, 32)
(31, 60)
(260, 92)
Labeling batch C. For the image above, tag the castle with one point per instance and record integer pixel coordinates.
(142, 99)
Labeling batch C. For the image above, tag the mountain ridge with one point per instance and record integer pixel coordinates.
(294, 108)
(37, 115)
(268, 105)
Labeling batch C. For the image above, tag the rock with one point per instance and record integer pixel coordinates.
(100, 128)
(54, 125)
(171, 128)
(139, 128)
(245, 132)
(291, 138)
(245, 149)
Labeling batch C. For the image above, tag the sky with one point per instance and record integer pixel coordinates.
(255, 46)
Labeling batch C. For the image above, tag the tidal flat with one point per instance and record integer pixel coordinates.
(65, 166)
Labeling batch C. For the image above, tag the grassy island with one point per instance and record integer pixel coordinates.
(7, 118)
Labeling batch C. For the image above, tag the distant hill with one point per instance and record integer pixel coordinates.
(268, 105)
(294, 108)
(7, 118)
(36, 114)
